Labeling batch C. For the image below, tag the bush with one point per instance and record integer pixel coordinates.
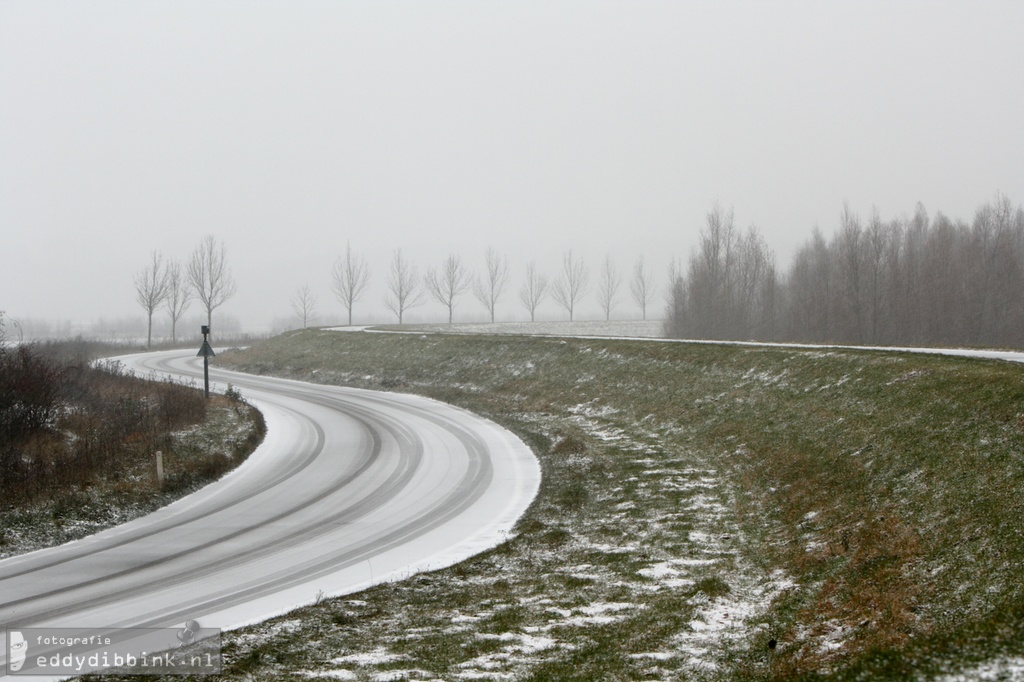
(65, 423)
(29, 390)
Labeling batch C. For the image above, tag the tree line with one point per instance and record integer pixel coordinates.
(446, 284)
(915, 280)
(205, 276)
(169, 284)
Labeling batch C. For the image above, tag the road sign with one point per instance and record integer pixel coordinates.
(206, 353)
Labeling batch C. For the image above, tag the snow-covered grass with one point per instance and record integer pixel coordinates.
(707, 512)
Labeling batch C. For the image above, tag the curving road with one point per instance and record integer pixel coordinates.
(349, 488)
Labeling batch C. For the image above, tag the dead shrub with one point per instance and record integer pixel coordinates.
(64, 425)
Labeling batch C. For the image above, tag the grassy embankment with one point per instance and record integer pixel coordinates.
(860, 511)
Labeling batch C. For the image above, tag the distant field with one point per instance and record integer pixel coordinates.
(619, 328)
(707, 512)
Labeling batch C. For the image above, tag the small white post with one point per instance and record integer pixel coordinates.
(159, 470)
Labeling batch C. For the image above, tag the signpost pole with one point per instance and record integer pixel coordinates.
(206, 352)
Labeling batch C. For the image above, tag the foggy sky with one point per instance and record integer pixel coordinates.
(285, 129)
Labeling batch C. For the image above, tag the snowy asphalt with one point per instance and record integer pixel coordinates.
(349, 488)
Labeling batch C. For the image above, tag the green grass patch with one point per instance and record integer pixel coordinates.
(858, 509)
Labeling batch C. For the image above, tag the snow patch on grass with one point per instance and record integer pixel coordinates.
(340, 674)
(728, 617)
(1003, 670)
(593, 410)
(378, 656)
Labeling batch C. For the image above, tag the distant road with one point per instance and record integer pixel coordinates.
(350, 488)
(651, 330)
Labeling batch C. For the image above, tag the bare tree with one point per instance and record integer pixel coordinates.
(642, 285)
(731, 288)
(350, 277)
(404, 290)
(570, 287)
(675, 325)
(210, 276)
(811, 288)
(449, 283)
(151, 290)
(608, 282)
(851, 257)
(710, 276)
(880, 246)
(178, 295)
(534, 289)
(939, 317)
(675, 273)
(304, 304)
(488, 289)
(755, 284)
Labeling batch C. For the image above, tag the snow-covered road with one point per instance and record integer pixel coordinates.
(349, 488)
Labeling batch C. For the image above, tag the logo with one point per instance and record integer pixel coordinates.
(66, 651)
(188, 635)
(18, 650)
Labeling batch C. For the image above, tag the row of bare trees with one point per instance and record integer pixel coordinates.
(166, 283)
(916, 280)
(407, 289)
(206, 277)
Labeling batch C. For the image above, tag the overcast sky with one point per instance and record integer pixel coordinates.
(285, 129)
